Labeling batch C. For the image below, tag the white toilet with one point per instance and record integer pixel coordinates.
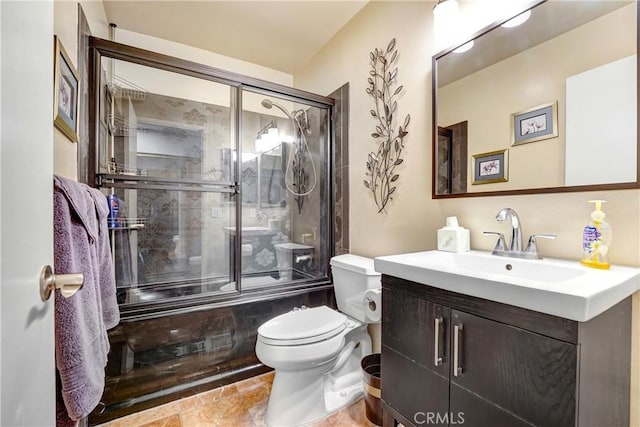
(316, 352)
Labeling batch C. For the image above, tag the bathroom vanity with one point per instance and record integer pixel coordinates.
(455, 351)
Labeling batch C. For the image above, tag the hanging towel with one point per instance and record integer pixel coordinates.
(81, 245)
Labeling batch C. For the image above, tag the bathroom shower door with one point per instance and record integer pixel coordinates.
(285, 208)
(223, 186)
(166, 144)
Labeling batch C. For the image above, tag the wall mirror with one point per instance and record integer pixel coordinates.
(546, 106)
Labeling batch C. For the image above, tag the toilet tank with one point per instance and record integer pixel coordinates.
(352, 276)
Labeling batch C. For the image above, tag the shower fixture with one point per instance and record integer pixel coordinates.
(297, 157)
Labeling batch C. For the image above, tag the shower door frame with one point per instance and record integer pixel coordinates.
(100, 48)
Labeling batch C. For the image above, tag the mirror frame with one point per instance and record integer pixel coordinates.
(543, 190)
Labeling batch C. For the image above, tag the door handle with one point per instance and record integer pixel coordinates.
(438, 323)
(457, 343)
(68, 284)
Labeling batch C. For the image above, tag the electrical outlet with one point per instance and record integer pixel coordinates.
(253, 212)
(216, 212)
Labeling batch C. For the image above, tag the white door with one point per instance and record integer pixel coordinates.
(27, 375)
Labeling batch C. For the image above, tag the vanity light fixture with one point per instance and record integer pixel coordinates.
(446, 20)
(517, 20)
(446, 11)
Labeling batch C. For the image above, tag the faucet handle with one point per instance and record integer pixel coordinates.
(501, 245)
(532, 247)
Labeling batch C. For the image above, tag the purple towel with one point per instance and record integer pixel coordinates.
(81, 245)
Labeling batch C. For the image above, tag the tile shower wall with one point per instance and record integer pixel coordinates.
(340, 168)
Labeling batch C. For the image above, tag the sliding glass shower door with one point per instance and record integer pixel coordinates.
(284, 190)
(221, 188)
(162, 138)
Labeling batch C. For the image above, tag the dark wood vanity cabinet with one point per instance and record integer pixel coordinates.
(451, 359)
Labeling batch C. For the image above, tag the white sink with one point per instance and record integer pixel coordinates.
(553, 286)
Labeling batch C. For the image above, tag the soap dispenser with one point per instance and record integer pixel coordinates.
(452, 237)
(596, 238)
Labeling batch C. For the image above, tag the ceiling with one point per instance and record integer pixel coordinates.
(282, 35)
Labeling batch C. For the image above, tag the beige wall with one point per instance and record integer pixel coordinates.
(545, 69)
(413, 216)
(346, 59)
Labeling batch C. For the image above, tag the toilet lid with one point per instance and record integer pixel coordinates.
(303, 326)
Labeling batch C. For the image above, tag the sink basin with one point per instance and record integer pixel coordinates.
(553, 286)
(484, 265)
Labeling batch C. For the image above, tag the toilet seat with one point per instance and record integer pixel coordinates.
(305, 326)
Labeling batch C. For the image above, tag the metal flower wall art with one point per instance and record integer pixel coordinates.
(381, 176)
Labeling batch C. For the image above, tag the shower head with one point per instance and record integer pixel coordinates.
(298, 117)
(267, 103)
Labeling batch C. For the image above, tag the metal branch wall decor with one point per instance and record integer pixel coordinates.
(381, 164)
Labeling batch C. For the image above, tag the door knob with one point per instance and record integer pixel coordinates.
(68, 284)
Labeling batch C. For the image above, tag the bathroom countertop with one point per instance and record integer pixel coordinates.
(553, 286)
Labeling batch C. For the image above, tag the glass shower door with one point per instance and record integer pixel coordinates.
(165, 144)
(284, 192)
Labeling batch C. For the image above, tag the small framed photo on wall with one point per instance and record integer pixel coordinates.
(534, 124)
(65, 92)
(490, 167)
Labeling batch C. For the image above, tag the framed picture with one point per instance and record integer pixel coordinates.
(534, 124)
(65, 92)
(490, 167)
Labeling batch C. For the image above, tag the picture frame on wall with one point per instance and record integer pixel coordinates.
(534, 124)
(65, 92)
(491, 167)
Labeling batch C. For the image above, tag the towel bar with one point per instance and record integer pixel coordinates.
(68, 284)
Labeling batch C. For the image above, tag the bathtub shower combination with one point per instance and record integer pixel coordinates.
(222, 217)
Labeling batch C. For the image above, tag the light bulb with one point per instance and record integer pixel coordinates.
(446, 16)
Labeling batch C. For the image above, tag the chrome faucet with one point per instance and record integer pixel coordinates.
(516, 231)
(514, 249)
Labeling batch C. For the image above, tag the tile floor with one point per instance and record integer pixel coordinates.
(242, 404)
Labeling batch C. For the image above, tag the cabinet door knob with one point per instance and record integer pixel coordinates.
(438, 323)
(457, 344)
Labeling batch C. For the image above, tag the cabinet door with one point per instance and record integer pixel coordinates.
(415, 352)
(417, 329)
(471, 410)
(412, 390)
(527, 375)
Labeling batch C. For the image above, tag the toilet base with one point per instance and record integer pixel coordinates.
(299, 398)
